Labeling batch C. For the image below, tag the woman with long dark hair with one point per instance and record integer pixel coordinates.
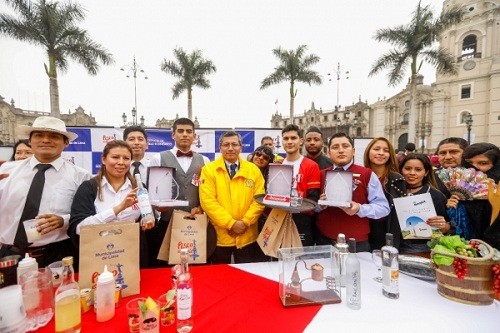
(109, 196)
(419, 178)
(485, 157)
(381, 158)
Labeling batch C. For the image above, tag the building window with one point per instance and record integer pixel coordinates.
(469, 48)
(300, 121)
(406, 119)
(325, 118)
(463, 117)
(407, 104)
(466, 91)
(277, 124)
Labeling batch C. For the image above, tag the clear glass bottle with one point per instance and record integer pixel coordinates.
(105, 296)
(343, 248)
(67, 297)
(184, 296)
(148, 218)
(390, 268)
(27, 264)
(353, 277)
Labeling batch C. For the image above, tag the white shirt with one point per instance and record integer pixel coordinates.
(61, 183)
(104, 209)
(143, 168)
(184, 161)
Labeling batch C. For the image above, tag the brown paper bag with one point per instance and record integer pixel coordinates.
(164, 251)
(115, 245)
(271, 236)
(190, 233)
(291, 237)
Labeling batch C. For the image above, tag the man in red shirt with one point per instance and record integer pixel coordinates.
(306, 180)
(368, 199)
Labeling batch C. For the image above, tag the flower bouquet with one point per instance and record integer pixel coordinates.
(467, 184)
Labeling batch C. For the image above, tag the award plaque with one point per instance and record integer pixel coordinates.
(279, 185)
(338, 189)
(162, 188)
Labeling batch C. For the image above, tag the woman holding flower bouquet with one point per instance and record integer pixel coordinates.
(485, 157)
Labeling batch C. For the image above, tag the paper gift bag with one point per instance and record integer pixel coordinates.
(291, 237)
(186, 232)
(271, 236)
(115, 245)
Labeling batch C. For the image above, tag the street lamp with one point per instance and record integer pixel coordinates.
(355, 122)
(338, 123)
(132, 70)
(468, 124)
(339, 74)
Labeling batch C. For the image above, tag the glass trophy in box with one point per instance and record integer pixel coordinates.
(279, 185)
(338, 189)
(309, 276)
(162, 188)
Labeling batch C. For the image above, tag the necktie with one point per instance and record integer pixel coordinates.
(232, 171)
(32, 204)
(136, 168)
(188, 154)
(339, 169)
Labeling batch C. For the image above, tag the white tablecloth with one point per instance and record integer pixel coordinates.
(419, 308)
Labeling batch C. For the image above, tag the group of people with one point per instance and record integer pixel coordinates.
(224, 189)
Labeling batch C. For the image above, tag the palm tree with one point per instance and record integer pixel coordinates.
(191, 70)
(413, 44)
(294, 67)
(53, 26)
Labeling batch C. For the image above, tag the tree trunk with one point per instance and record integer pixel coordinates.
(54, 98)
(53, 87)
(413, 110)
(190, 104)
(292, 103)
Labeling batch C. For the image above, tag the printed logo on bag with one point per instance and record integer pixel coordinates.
(266, 234)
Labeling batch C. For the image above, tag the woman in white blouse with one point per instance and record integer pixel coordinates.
(108, 197)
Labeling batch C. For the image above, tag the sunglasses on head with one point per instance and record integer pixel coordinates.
(261, 155)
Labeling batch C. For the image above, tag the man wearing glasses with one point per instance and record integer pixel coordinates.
(227, 188)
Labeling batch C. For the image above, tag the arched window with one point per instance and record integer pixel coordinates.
(406, 118)
(469, 48)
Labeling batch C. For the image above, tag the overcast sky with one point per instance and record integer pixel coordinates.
(237, 35)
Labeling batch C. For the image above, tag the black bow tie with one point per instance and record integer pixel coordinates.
(188, 154)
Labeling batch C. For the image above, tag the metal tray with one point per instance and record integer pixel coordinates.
(307, 205)
(416, 266)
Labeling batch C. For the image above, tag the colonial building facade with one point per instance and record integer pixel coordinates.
(11, 117)
(444, 106)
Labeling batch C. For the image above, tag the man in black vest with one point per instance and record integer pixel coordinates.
(187, 166)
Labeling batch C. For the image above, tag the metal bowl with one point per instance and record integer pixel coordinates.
(418, 267)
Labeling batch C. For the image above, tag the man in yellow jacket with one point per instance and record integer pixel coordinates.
(227, 189)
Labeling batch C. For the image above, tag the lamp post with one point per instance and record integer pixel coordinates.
(468, 124)
(355, 122)
(338, 72)
(338, 123)
(132, 70)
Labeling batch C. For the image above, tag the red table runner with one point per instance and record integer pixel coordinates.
(226, 299)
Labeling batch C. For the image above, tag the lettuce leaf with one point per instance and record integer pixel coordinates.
(440, 259)
(452, 242)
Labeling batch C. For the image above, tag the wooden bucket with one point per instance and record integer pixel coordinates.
(477, 286)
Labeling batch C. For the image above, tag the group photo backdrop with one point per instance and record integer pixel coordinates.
(86, 150)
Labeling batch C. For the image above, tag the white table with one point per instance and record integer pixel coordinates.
(419, 308)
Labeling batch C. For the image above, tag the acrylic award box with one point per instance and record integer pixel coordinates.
(307, 276)
(162, 188)
(338, 189)
(279, 185)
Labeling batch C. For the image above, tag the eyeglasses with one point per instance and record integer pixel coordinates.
(228, 144)
(262, 155)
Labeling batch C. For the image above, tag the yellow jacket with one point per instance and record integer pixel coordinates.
(226, 200)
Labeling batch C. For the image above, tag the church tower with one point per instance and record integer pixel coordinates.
(474, 92)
